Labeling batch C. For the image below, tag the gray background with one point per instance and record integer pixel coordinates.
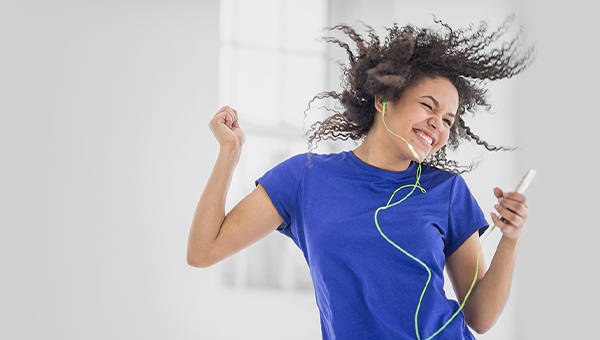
(105, 151)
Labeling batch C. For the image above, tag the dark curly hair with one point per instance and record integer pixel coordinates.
(466, 57)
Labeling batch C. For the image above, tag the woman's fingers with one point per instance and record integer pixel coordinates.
(225, 127)
(509, 215)
(515, 202)
(512, 206)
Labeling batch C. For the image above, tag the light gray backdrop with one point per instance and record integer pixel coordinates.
(105, 151)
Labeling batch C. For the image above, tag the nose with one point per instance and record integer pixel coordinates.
(436, 123)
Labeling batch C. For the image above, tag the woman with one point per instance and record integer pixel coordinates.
(378, 224)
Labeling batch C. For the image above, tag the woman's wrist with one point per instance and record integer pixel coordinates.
(230, 151)
(510, 242)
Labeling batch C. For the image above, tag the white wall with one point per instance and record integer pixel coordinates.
(558, 115)
(104, 108)
(105, 150)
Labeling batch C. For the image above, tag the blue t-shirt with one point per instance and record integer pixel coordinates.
(365, 288)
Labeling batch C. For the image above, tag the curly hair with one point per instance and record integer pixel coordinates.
(466, 57)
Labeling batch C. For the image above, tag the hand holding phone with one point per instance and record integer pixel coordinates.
(514, 207)
(523, 184)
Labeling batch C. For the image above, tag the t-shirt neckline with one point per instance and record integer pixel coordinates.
(411, 171)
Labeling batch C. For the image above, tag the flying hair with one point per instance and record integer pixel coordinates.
(469, 58)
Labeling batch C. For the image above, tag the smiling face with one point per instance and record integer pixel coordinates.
(423, 116)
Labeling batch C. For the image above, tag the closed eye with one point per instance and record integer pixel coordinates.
(447, 121)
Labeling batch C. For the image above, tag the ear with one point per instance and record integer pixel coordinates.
(379, 104)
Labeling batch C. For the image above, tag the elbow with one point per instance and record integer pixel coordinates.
(193, 262)
(479, 325)
(199, 260)
(480, 329)
(199, 255)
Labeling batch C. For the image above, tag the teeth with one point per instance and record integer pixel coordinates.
(425, 137)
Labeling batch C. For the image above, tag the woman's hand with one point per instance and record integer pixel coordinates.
(490, 294)
(226, 129)
(512, 206)
(214, 234)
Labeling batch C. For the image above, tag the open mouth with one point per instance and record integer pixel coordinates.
(424, 137)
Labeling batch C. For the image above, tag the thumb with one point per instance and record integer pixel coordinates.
(498, 192)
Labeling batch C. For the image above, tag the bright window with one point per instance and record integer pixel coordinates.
(271, 65)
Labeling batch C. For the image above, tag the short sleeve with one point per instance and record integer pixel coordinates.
(281, 184)
(465, 216)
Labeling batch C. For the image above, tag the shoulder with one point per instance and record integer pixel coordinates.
(450, 185)
(293, 167)
(314, 165)
(298, 160)
(297, 165)
(323, 161)
(440, 176)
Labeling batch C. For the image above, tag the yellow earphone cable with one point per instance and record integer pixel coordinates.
(409, 255)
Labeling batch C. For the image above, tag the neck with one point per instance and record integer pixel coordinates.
(378, 152)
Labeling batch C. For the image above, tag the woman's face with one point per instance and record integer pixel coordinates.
(424, 115)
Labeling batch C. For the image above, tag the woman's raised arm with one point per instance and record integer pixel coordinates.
(491, 292)
(215, 235)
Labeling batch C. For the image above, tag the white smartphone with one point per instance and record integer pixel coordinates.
(524, 183)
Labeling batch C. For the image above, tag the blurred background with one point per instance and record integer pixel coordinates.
(106, 149)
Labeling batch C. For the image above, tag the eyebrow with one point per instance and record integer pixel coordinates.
(437, 105)
(435, 102)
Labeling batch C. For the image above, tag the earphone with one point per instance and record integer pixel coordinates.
(520, 188)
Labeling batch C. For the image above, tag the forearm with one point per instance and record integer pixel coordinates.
(210, 211)
(490, 295)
